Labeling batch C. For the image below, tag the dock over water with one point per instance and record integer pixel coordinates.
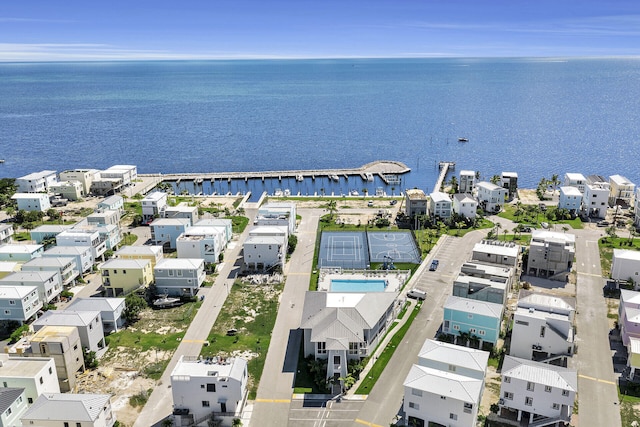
(444, 169)
(387, 170)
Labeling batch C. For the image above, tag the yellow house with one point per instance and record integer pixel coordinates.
(152, 253)
(122, 276)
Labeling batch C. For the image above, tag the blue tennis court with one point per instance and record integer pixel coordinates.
(397, 246)
(344, 249)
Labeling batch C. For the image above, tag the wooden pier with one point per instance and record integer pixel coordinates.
(444, 169)
(387, 170)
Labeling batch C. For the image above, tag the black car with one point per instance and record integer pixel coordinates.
(434, 265)
(393, 202)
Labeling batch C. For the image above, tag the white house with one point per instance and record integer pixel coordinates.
(203, 388)
(104, 217)
(551, 254)
(344, 326)
(467, 181)
(280, 213)
(48, 283)
(125, 173)
(439, 205)
(89, 325)
(153, 206)
(575, 180)
(70, 190)
(36, 375)
(495, 273)
(165, 231)
(183, 210)
(83, 255)
(621, 191)
(179, 276)
(68, 409)
(19, 303)
(103, 186)
(496, 252)
(6, 233)
(465, 205)
(20, 253)
(201, 242)
(265, 247)
(480, 288)
(596, 200)
(445, 387)
(625, 265)
(83, 176)
(570, 199)
(491, 197)
(111, 203)
(629, 315)
(542, 327)
(88, 237)
(36, 182)
(110, 309)
(545, 392)
(13, 404)
(32, 201)
(132, 170)
(65, 266)
(225, 224)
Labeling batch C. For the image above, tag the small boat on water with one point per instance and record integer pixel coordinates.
(278, 192)
(354, 193)
(463, 139)
(287, 192)
(299, 178)
(369, 176)
(334, 177)
(164, 302)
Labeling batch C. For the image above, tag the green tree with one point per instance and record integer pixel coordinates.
(292, 243)
(90, 359)
(134, 304)
(495, 179)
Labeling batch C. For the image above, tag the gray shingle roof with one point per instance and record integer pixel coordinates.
(8, 396)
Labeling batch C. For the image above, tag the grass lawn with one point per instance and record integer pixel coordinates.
(628, 413)
(252, 311)
(608, 244)
(378, 367)
(239, 223)
(521, 239)
(534, 218)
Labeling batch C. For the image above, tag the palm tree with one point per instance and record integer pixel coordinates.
(495, 179)
(454, 184)
(555, 181)
(565, 228)
(498, 226)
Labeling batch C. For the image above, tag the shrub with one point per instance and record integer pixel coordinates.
(17, 334)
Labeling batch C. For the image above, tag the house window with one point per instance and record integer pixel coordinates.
(555, 406)
(506, 379)
(468, 407)
(416, 392)
(456, 327)
(30, 400)
(508, 395)
(443, 397)
(353, 348)
(530, 386)
(453, 416)
(8, 412)
(7, 312)
(565, 392)
(472, 330)
(12, 302)
(528, 401)
(211, 387)
(4, 384)
(78, 424)
(481, 332)
(41, 380)
(205, 403)
(547, 388)
(446, 325)
(66, 424)
(542, 329)
(452, 368)
(469, 316)
(124, 271)
(414, 405)
(322, 347)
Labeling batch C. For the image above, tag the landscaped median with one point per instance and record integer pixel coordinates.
(371, 377)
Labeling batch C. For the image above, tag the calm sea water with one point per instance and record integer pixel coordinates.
(535, 117)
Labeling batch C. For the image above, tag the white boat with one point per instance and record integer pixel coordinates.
(369, 176)
(278, 192)
(334, 177)
(287, 192)
(165, 301)
(463, 139)
(354, 193)
(299, 178)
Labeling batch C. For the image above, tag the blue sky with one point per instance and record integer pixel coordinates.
(45, 30)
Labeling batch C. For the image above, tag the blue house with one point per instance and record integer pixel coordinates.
(481, 319)
(165, 231)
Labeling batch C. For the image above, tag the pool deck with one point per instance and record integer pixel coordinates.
(395, 278)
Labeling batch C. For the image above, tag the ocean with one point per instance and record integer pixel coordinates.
(537, 117)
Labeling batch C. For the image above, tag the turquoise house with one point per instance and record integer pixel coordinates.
(481, 319)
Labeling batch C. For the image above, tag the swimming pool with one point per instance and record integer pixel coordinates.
(358, 285)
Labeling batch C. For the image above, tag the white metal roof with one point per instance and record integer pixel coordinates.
(463, 357)
(540, 373)
(448, 384)
(467, 305)
(67, 406)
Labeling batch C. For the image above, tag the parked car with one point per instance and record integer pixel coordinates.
(434, 265)
(393, 202)
(603, 224)
(544, 225)
(417, 294)
(370, 204)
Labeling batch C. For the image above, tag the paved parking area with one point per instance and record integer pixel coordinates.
(324, 413)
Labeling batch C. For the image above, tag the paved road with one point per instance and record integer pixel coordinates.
(323, 413)
(597, 391)
(385, 400)
(273, 400)
(159, 404)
